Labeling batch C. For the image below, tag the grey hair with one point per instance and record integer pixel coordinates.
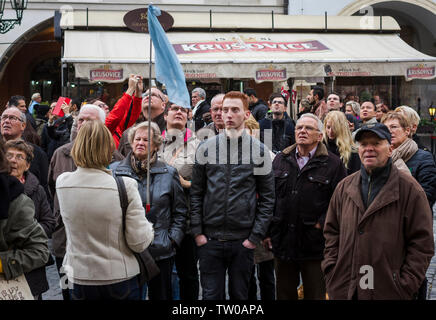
(314, 117)
(355, 106)
(22, 115)
(35, 95)
(200, 91)
(410, 113)
(100, 111)
(157, 136)
(219, 96)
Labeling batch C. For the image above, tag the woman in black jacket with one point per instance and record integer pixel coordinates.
(20, 155)
(168, 211)
(337, 138)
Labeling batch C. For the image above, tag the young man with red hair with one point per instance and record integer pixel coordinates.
(232, 198)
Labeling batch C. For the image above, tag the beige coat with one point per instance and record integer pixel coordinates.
(97, 251)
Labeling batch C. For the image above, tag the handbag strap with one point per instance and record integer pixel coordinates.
(123, 199)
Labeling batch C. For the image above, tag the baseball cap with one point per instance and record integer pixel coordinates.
(378, 128)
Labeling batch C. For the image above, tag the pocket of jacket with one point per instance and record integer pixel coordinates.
(396, 278)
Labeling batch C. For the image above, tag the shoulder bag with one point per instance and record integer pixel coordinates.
(147, 265)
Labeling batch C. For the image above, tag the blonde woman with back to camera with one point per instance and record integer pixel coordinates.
(99, 261)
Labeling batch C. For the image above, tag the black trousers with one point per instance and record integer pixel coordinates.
(267, 282)
(64, 280)
(288, 279)
(186, 265)
(160, 288)
(217, 258)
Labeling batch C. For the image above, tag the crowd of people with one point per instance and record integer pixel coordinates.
(236, 189)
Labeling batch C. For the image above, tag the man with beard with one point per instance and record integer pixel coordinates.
(257, 107)
(319, 107)
(281, 126)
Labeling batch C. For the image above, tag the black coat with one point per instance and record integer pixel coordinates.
(259, 110)
(302, 200)
(168, 205)
(37, 278)
(230, 200)
(198, 117)
(353, 164)
(423, 169)
(59, 134)
(39, 166)
(283, 132)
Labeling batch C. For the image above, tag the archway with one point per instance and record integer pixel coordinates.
(22, 57)
(419, 33)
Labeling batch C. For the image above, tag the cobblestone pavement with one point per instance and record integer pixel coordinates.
(431, 271)
(54, 293)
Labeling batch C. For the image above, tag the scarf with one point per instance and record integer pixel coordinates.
(405, 151)
(140, 167)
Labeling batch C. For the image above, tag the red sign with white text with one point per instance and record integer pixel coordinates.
(234, 46)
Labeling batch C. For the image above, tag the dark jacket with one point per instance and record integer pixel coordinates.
(39, 166)
(23, 242)
(354, 161)
(259, 110)
(37, 278)
(232, 201)
(59, 134)
(394, 236)
(198, 117)
(283, 132)
(302, 199)
(423, 169)
(43, 212)
(168, 205)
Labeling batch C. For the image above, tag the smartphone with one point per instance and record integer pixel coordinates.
(57, 109)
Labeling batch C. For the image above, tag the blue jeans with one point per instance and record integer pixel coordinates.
(125, 290)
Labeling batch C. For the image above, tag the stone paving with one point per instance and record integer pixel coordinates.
(431, 271)
(54, 293)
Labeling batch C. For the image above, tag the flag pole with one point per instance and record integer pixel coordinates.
(149, 126)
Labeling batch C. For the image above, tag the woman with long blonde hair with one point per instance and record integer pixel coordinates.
(337, 138)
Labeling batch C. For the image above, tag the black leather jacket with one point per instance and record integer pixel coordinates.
(232, 201)
(168, 205)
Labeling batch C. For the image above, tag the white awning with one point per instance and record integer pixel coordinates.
(112, 55)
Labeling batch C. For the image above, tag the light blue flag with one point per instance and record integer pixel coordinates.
(167, 65)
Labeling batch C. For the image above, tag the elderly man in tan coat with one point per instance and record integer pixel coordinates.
(378, 230)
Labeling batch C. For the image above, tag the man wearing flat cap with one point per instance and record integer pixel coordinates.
(378, 229)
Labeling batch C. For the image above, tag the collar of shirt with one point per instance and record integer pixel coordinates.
(196, 107)
(303, 160)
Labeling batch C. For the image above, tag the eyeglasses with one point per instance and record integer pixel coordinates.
(216, 109)
(278, 102)
(17, 156)
(145, 95)
(177, 109)
(394, 127)
(307, 128)
(11, 118)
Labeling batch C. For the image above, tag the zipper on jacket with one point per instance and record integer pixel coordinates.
(369, 189)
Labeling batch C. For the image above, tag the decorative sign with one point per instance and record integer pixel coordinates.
(199, 74)
(252, 45)
(106, 74)
(271, 75)
(136, 20)
(345, 72)
(15, 289)
(421, 71)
